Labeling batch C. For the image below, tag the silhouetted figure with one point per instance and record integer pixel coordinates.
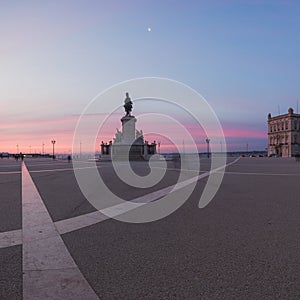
(69, 158)
(128, 105)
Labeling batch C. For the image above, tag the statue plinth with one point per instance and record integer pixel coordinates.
(128, 129)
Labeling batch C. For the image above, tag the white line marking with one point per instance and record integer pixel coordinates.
(10, 238)
(59, 170)
(261, 174)
(76, 223)
(49, 271)
(10, 172)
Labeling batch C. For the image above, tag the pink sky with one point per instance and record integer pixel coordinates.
(31, 135)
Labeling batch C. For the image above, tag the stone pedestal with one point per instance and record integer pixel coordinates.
(128, 129)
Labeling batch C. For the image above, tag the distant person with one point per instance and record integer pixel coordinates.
(69, 158)
(22, 156)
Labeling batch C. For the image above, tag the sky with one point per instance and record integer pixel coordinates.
(243, 57)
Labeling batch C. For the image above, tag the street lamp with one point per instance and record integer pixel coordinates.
(207, 142)
(53, 142)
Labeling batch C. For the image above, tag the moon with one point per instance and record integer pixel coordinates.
(149, 29)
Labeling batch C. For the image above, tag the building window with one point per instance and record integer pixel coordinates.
(286, 126)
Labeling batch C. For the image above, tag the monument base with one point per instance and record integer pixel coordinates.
(127, 152)
(129, 143)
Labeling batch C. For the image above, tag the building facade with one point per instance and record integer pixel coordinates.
(284, 134)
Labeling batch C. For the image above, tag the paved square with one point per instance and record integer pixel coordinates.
(243, 245)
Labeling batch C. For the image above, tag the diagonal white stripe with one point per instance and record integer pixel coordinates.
(11, 238)
(68, 225)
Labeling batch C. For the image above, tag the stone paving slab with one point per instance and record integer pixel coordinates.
(11, 273)
(10, 201)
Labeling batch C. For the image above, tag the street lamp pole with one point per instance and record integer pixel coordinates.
(207, 142)
(53, 142)
(43, 148)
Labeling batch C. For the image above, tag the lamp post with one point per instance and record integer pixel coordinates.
(207, 142)
(53, 142)
(43, 147)
(17, 148)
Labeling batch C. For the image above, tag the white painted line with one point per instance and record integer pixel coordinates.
(10, 172)
(10, 238)
(49, 271)
(59, 170)
(76, 223)
(262, 174)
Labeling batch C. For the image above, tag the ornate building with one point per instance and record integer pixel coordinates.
(284, 134)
